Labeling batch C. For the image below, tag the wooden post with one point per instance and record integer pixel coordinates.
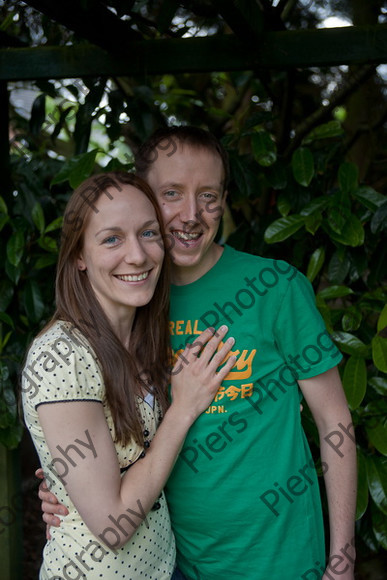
(10, 482)
(4, 142)
(10, 515)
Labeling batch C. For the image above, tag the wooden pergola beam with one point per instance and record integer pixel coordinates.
(285, 49)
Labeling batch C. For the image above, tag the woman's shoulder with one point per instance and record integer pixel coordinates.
(61, 365)
(60, 334)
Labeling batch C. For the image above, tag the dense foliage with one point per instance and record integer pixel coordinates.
(307, 186)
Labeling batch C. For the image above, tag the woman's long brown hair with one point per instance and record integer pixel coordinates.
(126, 372)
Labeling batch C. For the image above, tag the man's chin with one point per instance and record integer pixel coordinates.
(184, 261)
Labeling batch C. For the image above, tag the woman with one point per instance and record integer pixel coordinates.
(95, 387)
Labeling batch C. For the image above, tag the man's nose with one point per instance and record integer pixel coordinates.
(189, 212)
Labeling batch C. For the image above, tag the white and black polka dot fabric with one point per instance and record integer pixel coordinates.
(61, 369)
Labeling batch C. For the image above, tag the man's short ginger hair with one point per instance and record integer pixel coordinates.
(185, 135)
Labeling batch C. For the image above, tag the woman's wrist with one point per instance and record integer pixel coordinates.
(180, 417)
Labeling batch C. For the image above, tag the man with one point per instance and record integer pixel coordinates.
(244, 495)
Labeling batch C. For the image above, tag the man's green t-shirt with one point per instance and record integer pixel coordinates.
(244, 495)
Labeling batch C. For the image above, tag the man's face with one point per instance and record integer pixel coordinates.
(189, 187)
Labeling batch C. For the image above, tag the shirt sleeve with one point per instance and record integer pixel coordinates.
(61, 366)
(301, 334)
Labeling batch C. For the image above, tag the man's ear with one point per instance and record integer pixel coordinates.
(224, 200)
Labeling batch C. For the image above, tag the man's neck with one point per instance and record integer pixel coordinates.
(184, 275)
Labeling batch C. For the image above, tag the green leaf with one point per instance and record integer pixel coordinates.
(369, 197)
(6, 339)
(13, 272)
(6, 294)
(86, 111)
(44, 261)
(4, 219)
(56, 224)
(315, 263)
(313, 222)
(11, 436)
(283, 228)
(332, 292)
(316, 205)
(379, 352)
(61, 123)
(379, 219)
(355, 381)
(382, 320)
(377, 436)
(264, 149)
(352, 233)
(38, 217)
(377, 481)
(3, 206)
(15, 247)
(283, 204)
(6, 418)
(76, 169)
(337, 218)
(375, 414)
(83, 169)
(362, 486)
(6, 319)
(48, 243)
(379, 384)
(10, 401)
(351, 320)
(33, 301)
(379, 525)
(348, 176)
(303, 166)
(325, 131)
(38, 114)
(276, 175)
(338, 267)
(350, 344)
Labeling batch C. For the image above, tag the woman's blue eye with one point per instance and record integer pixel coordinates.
(110, 240)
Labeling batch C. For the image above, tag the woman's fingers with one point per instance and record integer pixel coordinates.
(192, 351)
(221, 352)
(210, 350)
(223, 372)
(206, 345)
(206, 354)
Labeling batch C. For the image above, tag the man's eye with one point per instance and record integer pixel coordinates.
(149, 233)
(207, 195)
(171, 193)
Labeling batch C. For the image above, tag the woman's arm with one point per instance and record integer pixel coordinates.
(78, 435)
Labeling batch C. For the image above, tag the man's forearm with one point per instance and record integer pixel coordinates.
(341, 487)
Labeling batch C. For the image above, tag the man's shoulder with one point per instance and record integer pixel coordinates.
(231, 254)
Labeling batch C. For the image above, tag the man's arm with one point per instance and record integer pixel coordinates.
(326, 399)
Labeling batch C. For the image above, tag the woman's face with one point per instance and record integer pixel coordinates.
(122, 251)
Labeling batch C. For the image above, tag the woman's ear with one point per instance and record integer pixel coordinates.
(81, 264)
